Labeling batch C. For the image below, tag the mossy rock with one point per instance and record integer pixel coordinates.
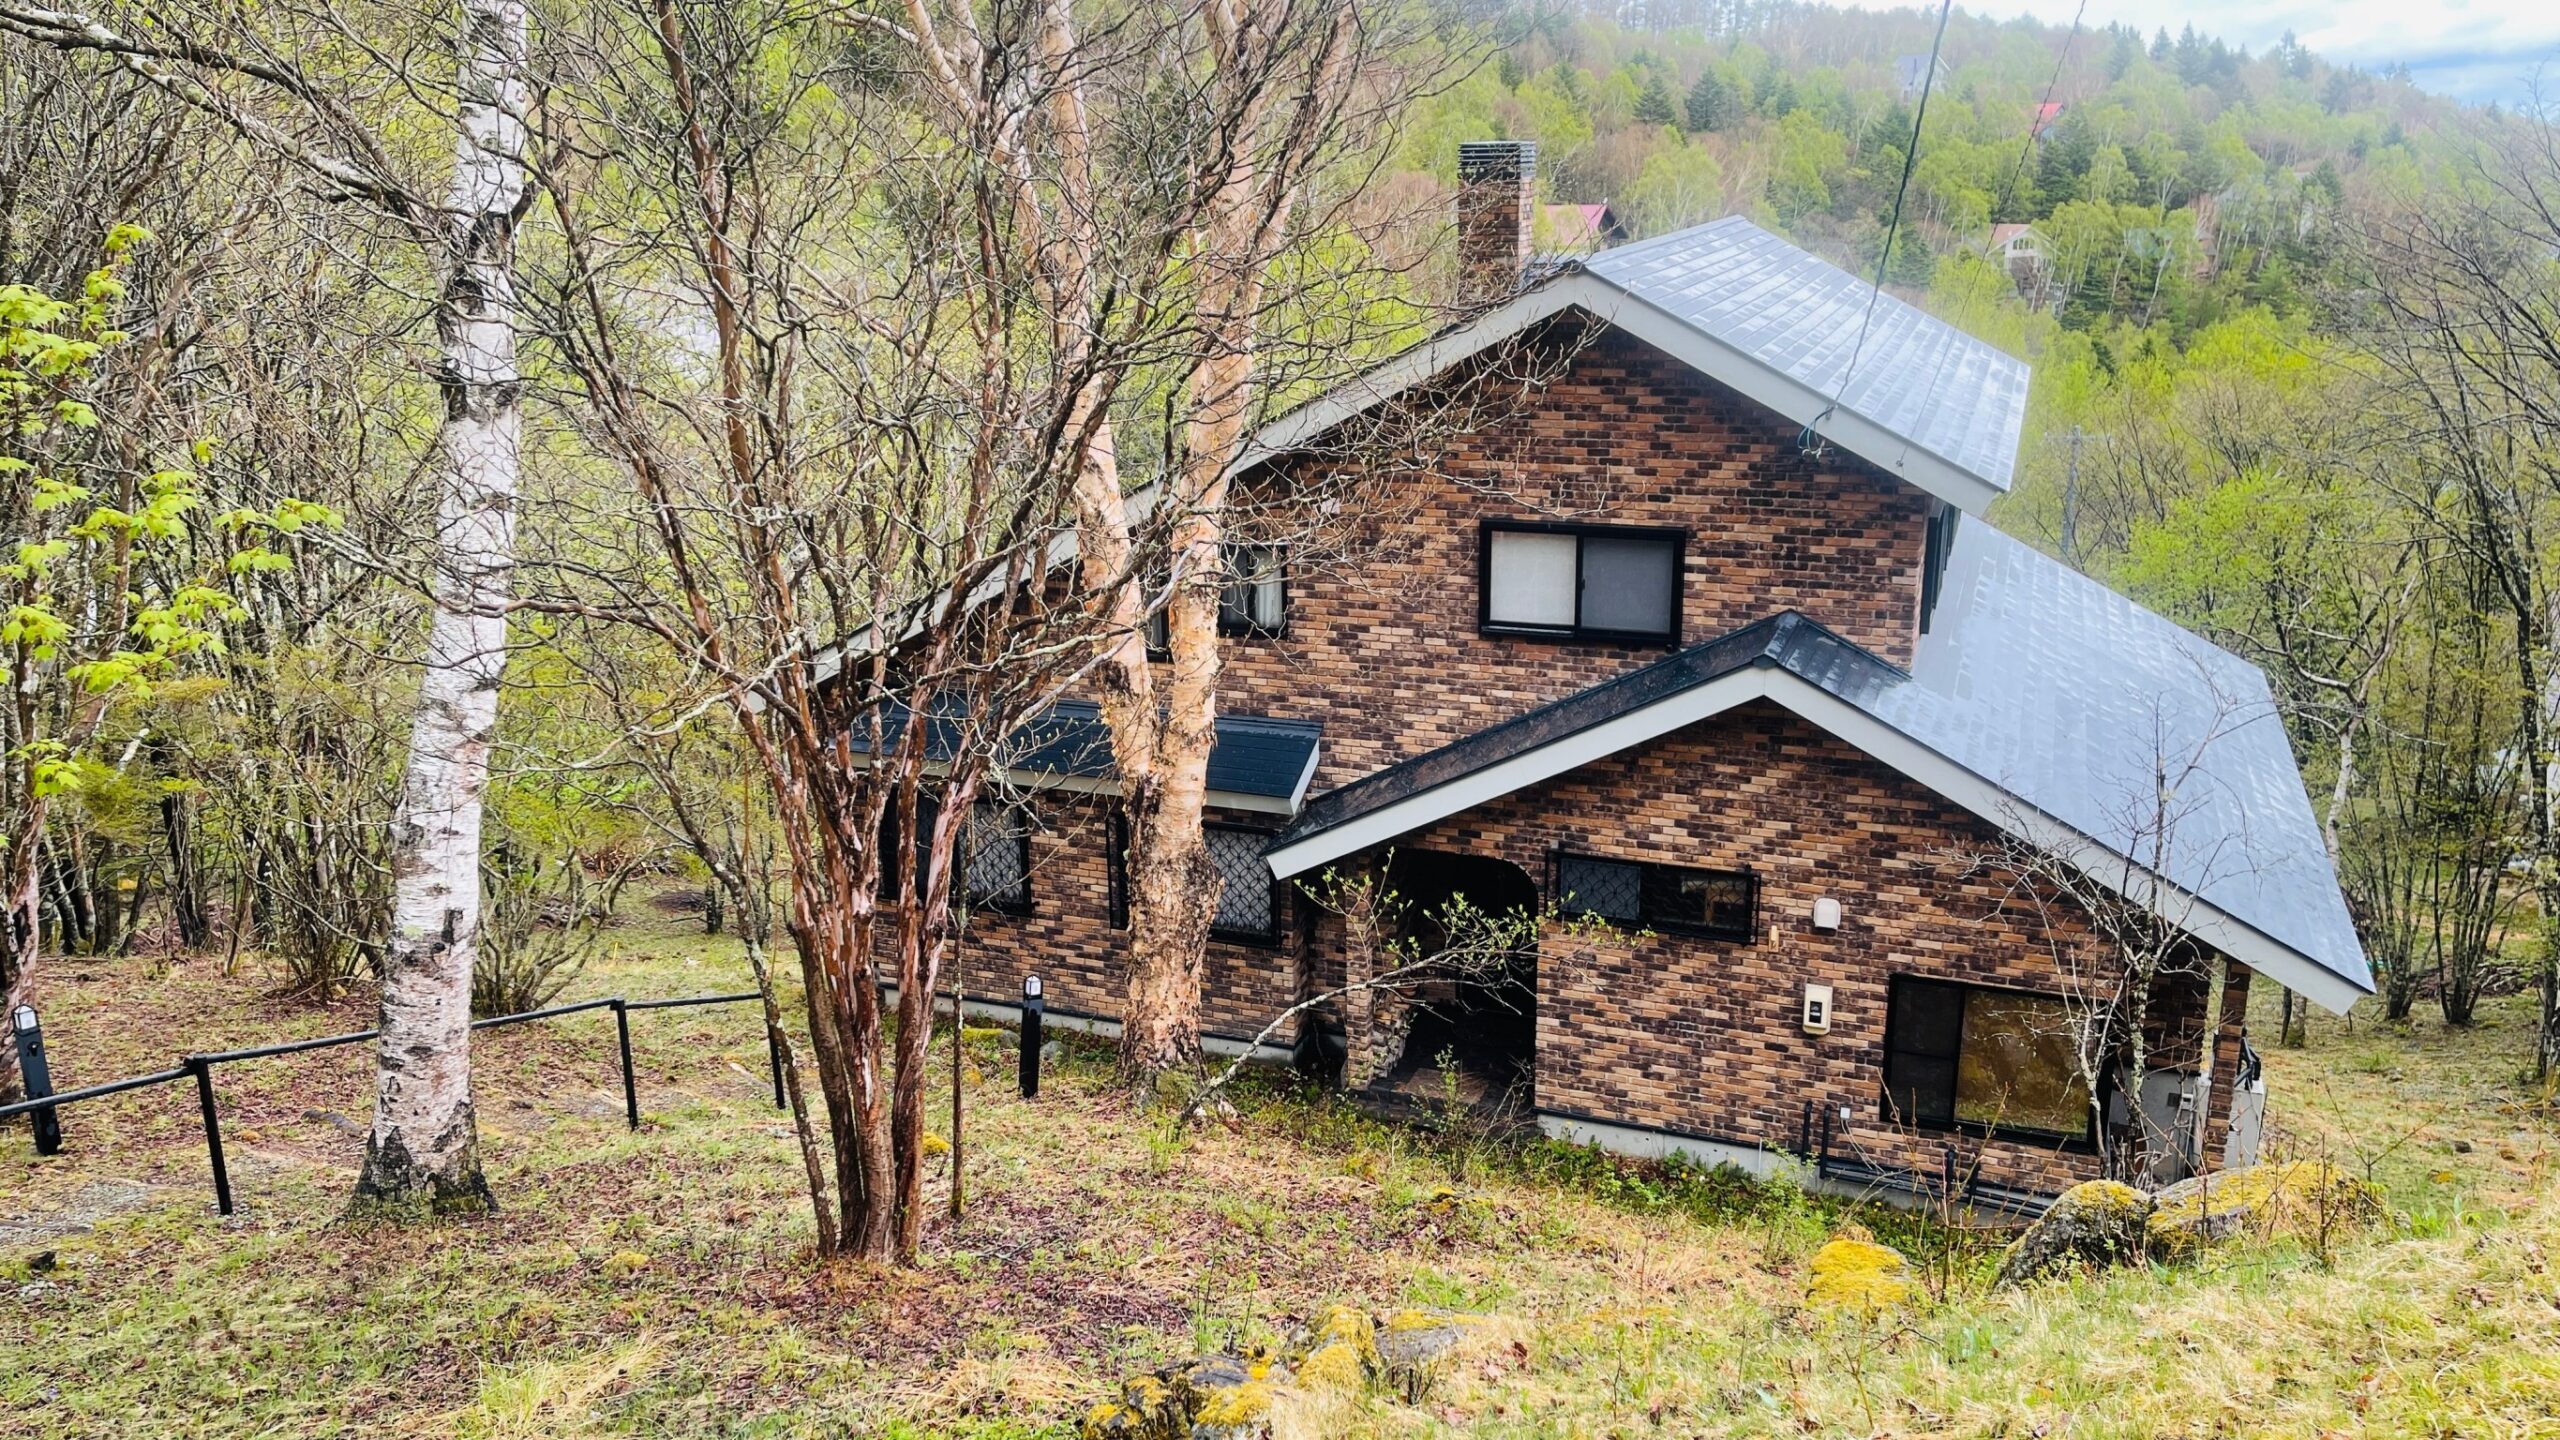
(1235, 1412)
(1409, 1340)
(1858, 1276)
(1149, 1408)
(2092, 1226)
(2296, 1199)
(1216, 1397)
(1338, 1351)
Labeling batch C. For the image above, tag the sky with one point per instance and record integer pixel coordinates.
(2478, 50)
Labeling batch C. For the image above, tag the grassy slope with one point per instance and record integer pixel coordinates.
(658, 1283)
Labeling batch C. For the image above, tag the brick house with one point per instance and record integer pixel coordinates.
(1706, 637)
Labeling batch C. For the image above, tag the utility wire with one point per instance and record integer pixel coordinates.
(1810, 439)
(2009, 191)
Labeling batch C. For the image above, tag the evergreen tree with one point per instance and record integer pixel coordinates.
(1653, 107)
(1508, 71)
(2160, 44)
(1710, 104)
(2121, 55)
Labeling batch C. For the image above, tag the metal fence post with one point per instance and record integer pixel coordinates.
(202, 1069)
(1032, 1007)
(37, 1077)
(773, 1048)
(630, 1087)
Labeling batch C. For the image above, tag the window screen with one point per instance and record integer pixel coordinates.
(1532, 579)
(1245, 901)
(1998, 1059)
(1716, 903)
(1566, 582)
(1628, 584)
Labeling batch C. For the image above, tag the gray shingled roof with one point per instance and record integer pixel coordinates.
(1251, 755)
(2063, 692)
(1950, 394)
(2056, 691)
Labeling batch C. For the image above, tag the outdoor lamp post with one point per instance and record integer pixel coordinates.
(28, 1032)
(1032, 1005)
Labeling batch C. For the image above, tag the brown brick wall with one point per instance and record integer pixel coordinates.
(1383, 647)
(1067, 937)
(1703, 1036)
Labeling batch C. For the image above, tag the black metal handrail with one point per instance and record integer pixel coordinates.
(199, 1068)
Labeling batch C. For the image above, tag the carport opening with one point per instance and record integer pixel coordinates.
(1473, 1035)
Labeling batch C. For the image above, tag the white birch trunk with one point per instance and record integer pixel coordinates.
(424, 1145)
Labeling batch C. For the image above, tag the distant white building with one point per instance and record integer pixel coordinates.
(2021, 248)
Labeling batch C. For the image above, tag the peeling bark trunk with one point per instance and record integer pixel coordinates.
(424, 1146)
(1174, 887)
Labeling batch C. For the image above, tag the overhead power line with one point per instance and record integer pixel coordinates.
(1810, 441)
(2009, 191)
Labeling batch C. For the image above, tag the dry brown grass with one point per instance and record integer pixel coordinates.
(659, 1283)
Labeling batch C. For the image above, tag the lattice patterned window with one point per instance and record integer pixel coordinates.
(1719, 904)
(997, 872)
(1247, 903)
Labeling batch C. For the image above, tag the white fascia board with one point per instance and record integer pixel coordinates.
(1983, 798)
(1306, 777)
(1611, 305)
(1989, 801)
(1557, 757)
(826, 662)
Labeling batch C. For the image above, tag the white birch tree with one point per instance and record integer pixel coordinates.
(422, 1147)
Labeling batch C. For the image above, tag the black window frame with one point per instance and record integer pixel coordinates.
(927, 808)
(1247, 626)
(1265, 938)
(1116, 869)
(1938, 542)
(1649, 873)
(1894, 1054)
(1577, 633)
(1154, 631)
(1016, 904)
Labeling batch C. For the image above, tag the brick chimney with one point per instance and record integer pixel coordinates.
(1497, 195)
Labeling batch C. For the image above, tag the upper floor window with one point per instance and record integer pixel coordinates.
(1256, 599)
(1973, 1056)
(1253, 601)
(1580, 582)
(1719, 904)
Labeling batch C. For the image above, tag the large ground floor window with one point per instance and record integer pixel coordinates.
(1978, 1057)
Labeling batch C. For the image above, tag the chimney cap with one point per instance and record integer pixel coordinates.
(1497, 159)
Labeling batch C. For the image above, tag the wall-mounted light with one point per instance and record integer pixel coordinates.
(1826, 914)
